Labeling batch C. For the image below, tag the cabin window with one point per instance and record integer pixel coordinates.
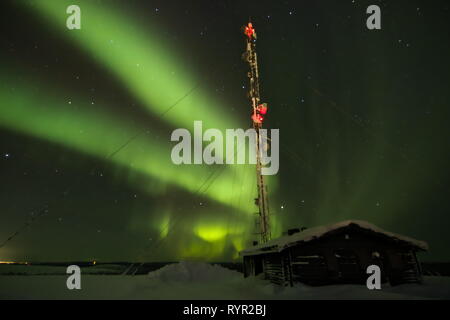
(310, 259)
(346, 256)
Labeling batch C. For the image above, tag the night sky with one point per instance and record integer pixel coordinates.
(86, 118)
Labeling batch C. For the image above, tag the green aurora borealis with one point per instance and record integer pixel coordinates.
(362, 118)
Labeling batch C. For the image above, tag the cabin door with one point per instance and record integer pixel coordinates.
(349, 269)
(258, 265)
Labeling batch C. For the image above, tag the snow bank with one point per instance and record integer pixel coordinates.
(187, 271)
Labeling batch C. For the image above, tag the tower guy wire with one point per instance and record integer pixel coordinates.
(45, 209)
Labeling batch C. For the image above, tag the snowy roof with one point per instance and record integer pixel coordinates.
(279, 244)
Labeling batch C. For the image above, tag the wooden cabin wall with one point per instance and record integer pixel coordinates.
(287, 268)
(342, 257)
(308, 265)
(274, 268)
(248, 266)
(350, 253)
(404, 267)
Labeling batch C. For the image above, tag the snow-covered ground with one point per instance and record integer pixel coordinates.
(37, 270)
(194, 280)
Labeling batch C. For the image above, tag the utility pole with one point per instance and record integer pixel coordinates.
(258, 111)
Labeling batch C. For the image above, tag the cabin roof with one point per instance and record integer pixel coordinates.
(279, 244)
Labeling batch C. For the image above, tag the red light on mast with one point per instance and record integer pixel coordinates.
(262, 108)
(249, 30)
(258, 116)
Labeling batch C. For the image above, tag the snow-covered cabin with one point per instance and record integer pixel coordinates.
(338, 253)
